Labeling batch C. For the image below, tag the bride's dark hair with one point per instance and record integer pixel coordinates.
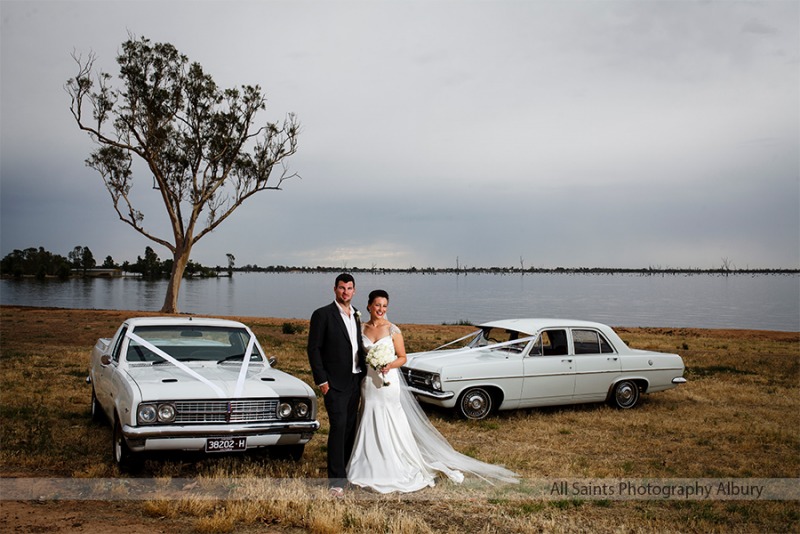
(378, 293)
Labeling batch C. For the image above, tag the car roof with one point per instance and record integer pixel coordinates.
(532, 326)
(181, 321)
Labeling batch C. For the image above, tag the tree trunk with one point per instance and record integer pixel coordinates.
(180, 259)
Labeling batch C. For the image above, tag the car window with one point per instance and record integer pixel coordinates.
(115, 350)
(550, 343)
(186, 343)
(590, 342)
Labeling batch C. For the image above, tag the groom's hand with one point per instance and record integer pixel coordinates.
(324, 388)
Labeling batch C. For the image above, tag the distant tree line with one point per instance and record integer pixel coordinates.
(510, 270)
(35, 262)
(41, 263)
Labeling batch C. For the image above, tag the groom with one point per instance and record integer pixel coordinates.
(336, 355)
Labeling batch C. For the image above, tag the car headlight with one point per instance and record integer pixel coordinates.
(284, 410)
(147, 414)
(436, 382)
(294, 408)
(301, 410)
(151, 413)
(166, 413)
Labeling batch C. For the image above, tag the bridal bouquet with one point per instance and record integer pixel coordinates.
(379, 356)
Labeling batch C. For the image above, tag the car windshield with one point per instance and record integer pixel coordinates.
(190, 342)
(488, 336)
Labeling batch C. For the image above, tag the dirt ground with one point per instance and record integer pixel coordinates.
(84, 517)
(96, 517)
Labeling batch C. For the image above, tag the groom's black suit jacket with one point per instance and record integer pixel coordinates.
(330, 352)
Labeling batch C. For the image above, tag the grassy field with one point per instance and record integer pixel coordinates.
(737, 417)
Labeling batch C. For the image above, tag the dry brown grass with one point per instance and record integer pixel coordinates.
(737, 417)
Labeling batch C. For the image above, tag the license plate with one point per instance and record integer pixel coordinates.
(225, 444)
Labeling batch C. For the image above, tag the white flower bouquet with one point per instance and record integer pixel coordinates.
(379, 356)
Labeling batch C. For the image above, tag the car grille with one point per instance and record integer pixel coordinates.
(221, 411)
(417, 379)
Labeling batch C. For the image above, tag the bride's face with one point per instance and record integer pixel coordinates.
(377, 309)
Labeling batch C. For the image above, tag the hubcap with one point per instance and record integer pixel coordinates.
(475, 405)
(476, 402)
(626, 395)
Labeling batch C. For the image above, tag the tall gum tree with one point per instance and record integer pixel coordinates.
(199, 142)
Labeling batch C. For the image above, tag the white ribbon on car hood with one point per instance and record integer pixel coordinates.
(191, 372)
(245, 364)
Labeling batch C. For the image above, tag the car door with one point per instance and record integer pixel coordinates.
(548, 371)
(597, 365)
(105, 374)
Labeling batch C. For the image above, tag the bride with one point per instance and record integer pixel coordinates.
(397, 449)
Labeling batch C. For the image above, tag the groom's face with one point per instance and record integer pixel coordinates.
(344, 292)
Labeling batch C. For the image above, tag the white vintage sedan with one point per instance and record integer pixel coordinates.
(195, 384)
(521, 363)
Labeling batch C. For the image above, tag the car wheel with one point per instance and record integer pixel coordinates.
(475, 403)
(122, 455)
(287, 452)
(97, 411)
(625, 394)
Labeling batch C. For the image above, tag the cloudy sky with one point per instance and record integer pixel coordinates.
(582, 133)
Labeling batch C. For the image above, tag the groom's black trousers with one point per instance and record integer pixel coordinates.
(342, 408)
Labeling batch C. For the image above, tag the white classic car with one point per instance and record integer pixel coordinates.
(195, 384)
(521, 363)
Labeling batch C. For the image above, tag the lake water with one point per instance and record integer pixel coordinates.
(742, 301)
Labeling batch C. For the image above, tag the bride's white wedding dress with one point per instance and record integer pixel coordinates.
(397, 449)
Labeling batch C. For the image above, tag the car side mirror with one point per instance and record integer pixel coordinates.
(273, 361)
(105, 359)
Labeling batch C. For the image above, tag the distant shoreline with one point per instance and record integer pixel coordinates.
(224, 272)
(511, 270)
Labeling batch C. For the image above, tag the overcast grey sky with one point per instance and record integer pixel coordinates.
(582, 133)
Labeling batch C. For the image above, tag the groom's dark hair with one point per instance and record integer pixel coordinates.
(344, 277)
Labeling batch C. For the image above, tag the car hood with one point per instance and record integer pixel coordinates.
(434, 361)
(168, 382)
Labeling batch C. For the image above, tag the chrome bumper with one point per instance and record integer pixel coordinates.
(204, 431)
(679, 380)
(443, 395)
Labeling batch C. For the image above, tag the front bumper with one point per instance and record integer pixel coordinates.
(193, 437)
(438, 395)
